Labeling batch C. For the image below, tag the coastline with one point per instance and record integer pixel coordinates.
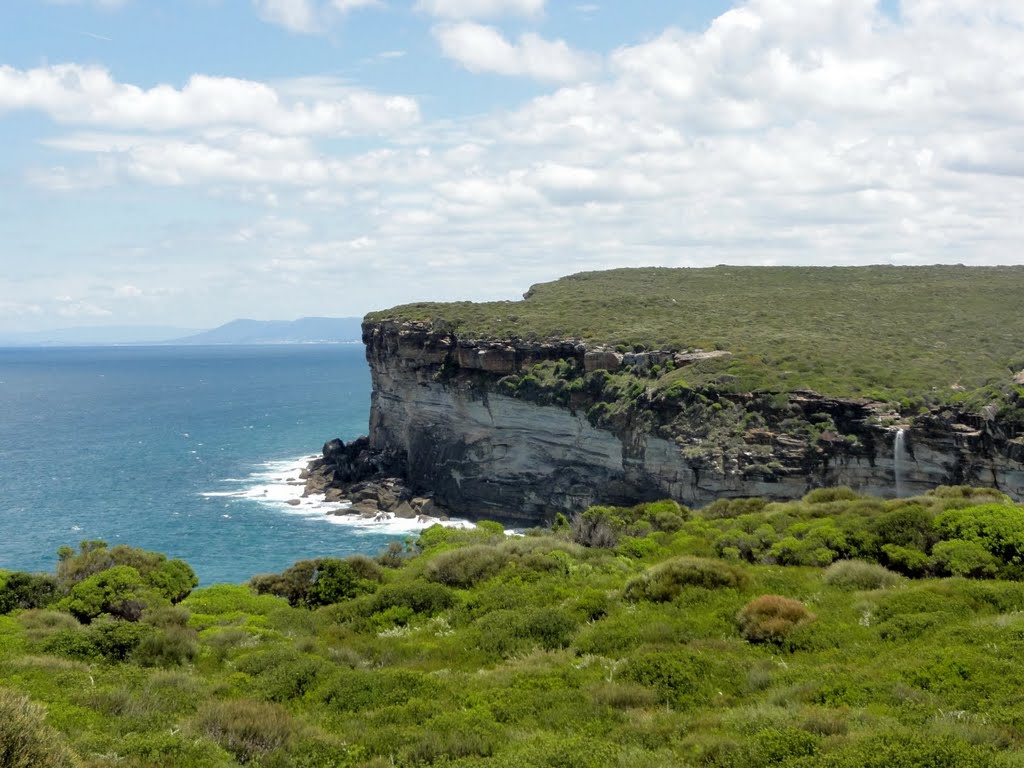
(279, 485)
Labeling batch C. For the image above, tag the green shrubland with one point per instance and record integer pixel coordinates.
(881, 332)
(835, 631)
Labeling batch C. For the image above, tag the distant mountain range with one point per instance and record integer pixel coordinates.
(306, 330)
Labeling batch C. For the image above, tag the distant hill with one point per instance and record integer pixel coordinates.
(96, 336)
(306, 330)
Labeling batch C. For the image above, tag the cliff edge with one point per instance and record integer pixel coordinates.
(498, 419)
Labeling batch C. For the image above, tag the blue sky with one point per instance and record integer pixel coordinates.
(187, 163)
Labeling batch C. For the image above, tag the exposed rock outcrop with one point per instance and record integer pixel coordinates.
(372, 480)
(441, 419)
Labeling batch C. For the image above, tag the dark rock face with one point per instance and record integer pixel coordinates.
(373, 480)
(342, 465)
(440, 420)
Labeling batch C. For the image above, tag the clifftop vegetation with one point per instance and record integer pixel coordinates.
(917, 335)
(840, 631)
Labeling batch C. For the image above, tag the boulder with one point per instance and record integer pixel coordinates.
(602, 360)
(404, 510)
(365, 508)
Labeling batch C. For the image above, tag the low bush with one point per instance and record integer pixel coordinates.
(969, 559)
(26, 741)
(248, 730)
(858, 574)
(40, 624)
(771, 618)
(171, 646)
(118, 591)
(466, 566)
(419, 597)
(26, 590)
(665, 582)
(507, 632)
(827, 495)
(323, 581)
(356, 690)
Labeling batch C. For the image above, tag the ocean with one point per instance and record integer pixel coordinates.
(190, 451)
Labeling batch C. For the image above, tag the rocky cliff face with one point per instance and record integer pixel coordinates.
(444, 406)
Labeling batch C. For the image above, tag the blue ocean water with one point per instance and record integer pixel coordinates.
(183, 450)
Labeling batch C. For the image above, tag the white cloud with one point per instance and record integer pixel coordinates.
(482, 48)
(308, 16)
(344, 6)
(295, 15)
(98, 3)
(788, 131)
(480, 9)
(89, 95)
(71, 308)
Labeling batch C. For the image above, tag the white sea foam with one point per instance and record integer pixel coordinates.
(277, 484)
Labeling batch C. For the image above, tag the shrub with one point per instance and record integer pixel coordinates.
(826, 495)
(172, 579)
(466, 566)
(247, 729)
(26, 741)
(998, 528)
(858, 574)
(910, 526)
(909, 562)
(323, 581)
(970, 559)
(909, 749)
(505, 633)
(118, 591)
(678, 678)
(771, 618)
(72, 643)
(26, 591)
(40, 624)
(596, 527)
(419, 597)
(665, 582)
(167, 647)
(117, 640)
(357, 690)
(281, 674)
(724, 508)
(454, 735)
(172, 749)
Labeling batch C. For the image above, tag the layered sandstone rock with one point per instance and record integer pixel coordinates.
(439, 414)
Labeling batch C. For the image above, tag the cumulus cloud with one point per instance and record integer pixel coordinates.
(295, 15)
(480, 9)
(787, 131)
(89, 95)
(97, 3)
(482, 48)
(308, 16)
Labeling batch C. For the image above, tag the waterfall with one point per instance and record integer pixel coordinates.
(899, 459)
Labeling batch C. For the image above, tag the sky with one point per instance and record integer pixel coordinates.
(190, 162)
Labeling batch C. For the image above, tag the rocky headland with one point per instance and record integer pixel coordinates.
(520, 429)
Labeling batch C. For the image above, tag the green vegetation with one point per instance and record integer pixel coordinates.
(838, 631)
(915, 335)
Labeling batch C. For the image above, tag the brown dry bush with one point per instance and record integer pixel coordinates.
(26, 741)
(771, 618)
(247, 729)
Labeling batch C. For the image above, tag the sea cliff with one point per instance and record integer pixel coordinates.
(456, 413)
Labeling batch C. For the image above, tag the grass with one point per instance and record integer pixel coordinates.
(919, 335)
